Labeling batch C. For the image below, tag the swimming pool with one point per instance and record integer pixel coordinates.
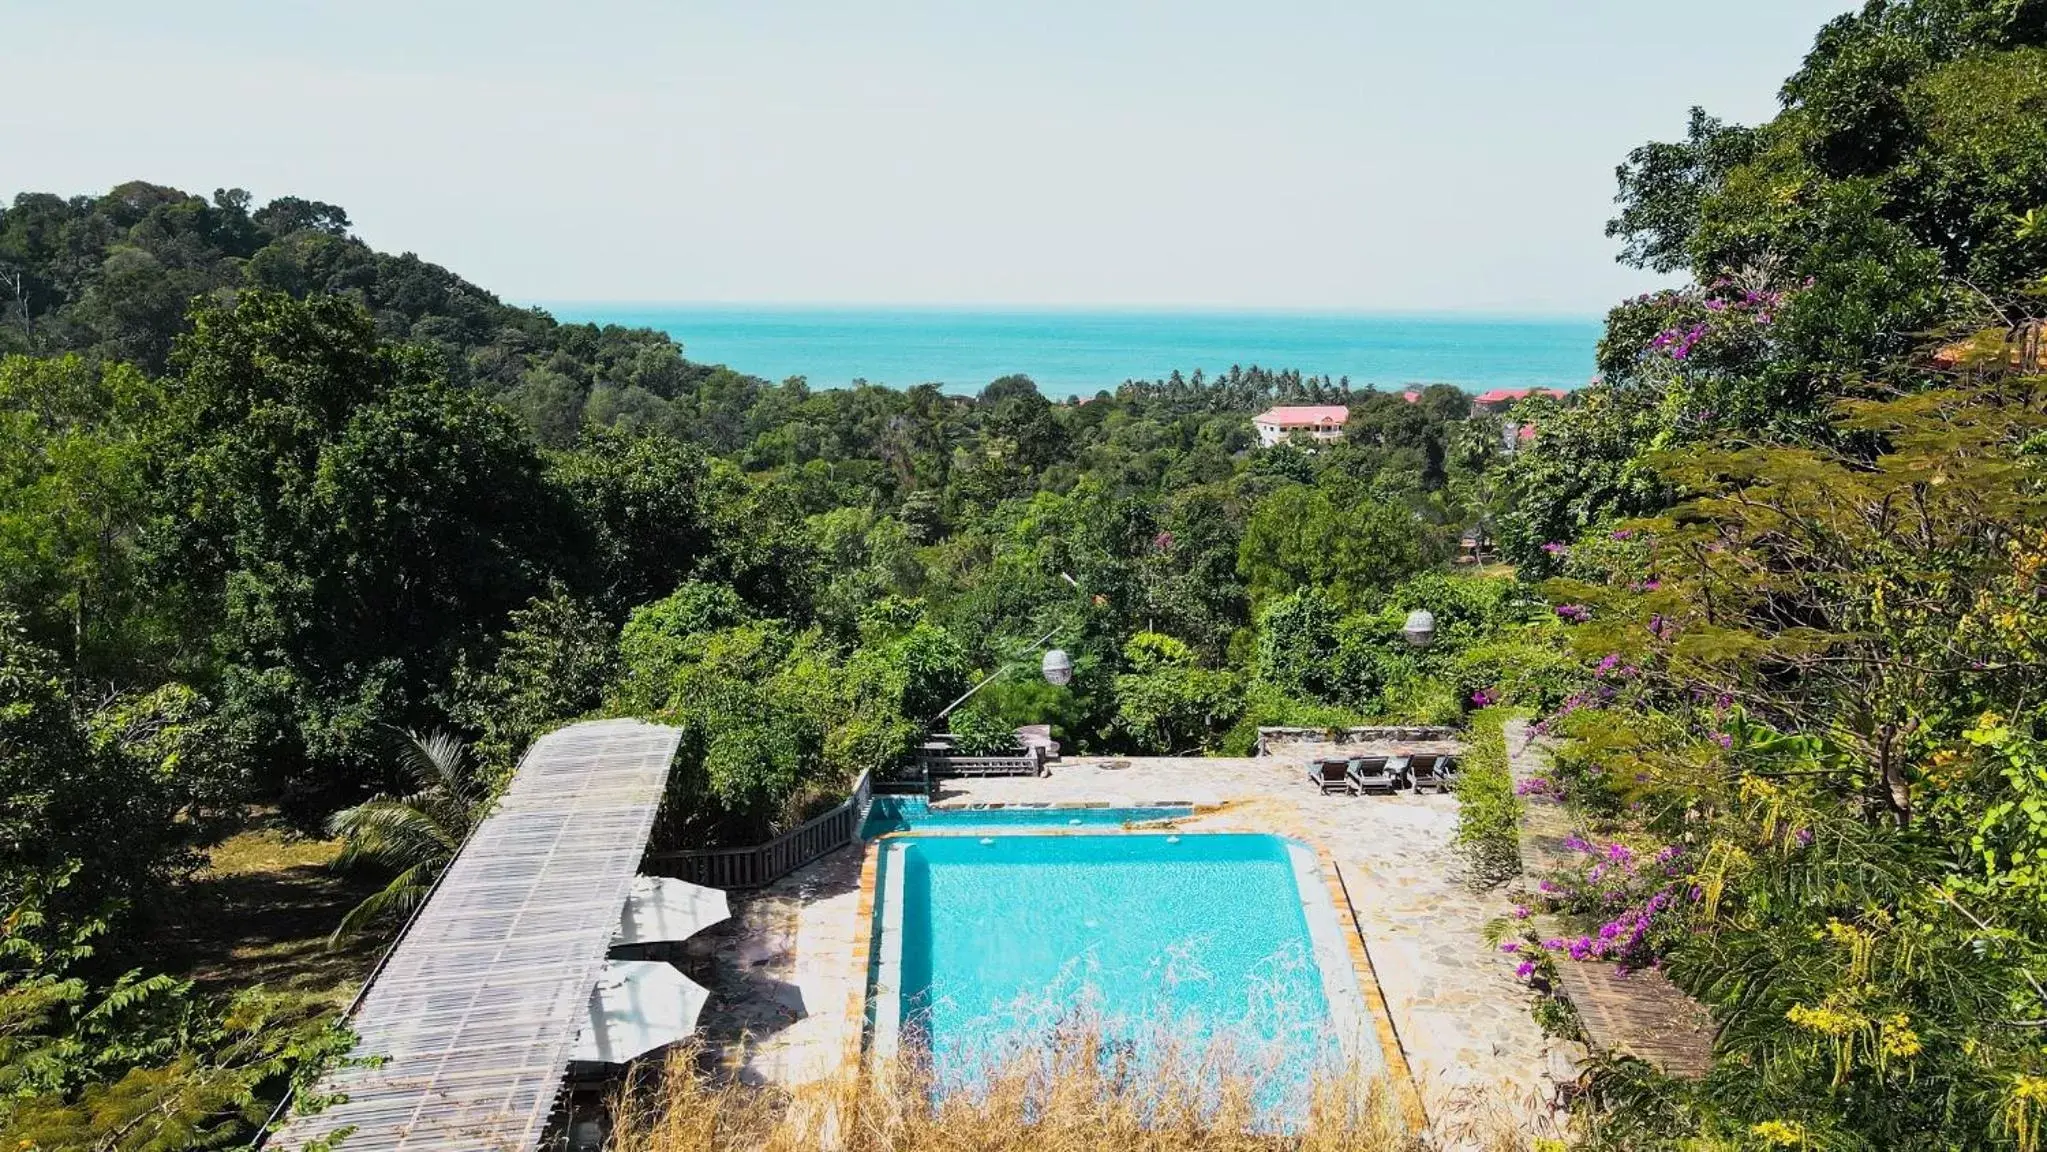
(914, 813)
(989, 945)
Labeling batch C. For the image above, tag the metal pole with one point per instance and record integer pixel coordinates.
(993, 676)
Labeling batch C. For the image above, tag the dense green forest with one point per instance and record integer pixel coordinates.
(271, 500)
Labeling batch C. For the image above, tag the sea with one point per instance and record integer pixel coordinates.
(1075, 352)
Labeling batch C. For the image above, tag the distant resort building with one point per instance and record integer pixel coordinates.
(1499, 399)
(1321, 423)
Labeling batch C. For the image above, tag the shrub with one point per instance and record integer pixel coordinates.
(1421, 700)
(979, 732)
(1488, 813)
(1517, 672)
(1265, 705)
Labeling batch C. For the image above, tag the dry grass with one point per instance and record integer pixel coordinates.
(260, 912)
(1078, 1097)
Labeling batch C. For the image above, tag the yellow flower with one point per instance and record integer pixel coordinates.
(1827, 1021)
(1780, 1133)
(2031, 1089)
(1896, 1038)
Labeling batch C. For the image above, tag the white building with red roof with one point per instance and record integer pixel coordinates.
(1322, 423)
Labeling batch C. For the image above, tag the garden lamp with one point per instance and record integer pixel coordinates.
(1058, 668)
(1420, 629)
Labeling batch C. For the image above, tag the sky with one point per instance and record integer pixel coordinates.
(1343, 155)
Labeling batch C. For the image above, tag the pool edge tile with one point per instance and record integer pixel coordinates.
(863, 958)
(1399, 1070)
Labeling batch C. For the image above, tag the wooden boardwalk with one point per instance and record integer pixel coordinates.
(1639, 1014)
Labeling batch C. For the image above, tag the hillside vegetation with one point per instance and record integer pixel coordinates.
(270, 500)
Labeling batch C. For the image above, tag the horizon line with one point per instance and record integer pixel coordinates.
(1042, 308)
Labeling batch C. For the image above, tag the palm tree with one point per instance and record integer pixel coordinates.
(414, 835)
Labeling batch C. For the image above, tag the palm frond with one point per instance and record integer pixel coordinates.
(396, 900)
(391, 833)
(439, 761)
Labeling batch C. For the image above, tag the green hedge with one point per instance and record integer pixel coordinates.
(1488, 812)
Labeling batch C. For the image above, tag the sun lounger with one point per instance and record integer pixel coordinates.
(1397, 765)
(1422, 769)
(1371, 774)
(1329, 775)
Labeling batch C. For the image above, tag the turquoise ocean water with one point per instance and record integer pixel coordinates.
(1080, 352)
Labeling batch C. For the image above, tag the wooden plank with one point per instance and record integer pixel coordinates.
(1640, 1014)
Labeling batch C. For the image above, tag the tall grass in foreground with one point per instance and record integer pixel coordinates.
(1079, 1095)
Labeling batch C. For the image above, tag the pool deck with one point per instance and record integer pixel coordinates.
(784, 974)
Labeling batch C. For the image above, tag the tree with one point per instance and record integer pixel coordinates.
(1662, 187)
(554, 662)
(1300, 537)
(72, 500)
(1168, 703)
(1827, 682)
(413, 836)
(1297, 644)
(68, 808)
(343, 528)
(639, 499)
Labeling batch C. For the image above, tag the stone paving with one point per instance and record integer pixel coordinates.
(781, 972)
(1461, 1015)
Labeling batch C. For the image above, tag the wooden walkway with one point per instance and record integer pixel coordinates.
(1639, 1014)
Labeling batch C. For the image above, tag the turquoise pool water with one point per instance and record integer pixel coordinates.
(992, 945)
(914, 813)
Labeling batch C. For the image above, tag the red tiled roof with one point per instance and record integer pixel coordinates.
(1503, 395)
(1305, 416)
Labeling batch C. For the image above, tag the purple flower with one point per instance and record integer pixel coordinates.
(1510, 947)
(1575, 613)
(1804, 837)
(1482, 699)
(1723, 739)
(1521, 912)
(1618, 853)
(1553, 945)
(1555, 548)
(1577, 843)
(1163, 541)
(1623, 533)
(1525, 969)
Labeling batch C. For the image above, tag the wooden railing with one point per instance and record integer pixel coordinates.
(763, 864)
(1028, 763)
